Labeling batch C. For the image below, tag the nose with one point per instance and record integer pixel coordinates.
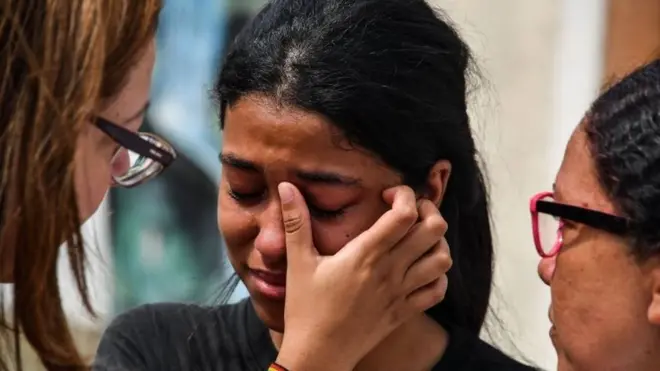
(270, 241)
(546, 269)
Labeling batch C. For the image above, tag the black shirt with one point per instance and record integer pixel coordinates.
(161, 337)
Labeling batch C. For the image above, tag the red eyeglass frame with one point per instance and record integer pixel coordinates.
(533, 209)
(609, 223)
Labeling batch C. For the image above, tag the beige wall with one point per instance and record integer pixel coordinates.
(541, 59)
(514, 42)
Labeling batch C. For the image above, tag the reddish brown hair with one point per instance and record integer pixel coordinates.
(60, 61)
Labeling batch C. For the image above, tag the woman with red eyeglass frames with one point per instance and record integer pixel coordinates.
(598, 233)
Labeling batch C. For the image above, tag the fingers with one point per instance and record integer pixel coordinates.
(430, 229)
(546, 269)
(424, 285)
(427, 296)
(427, 269)
(296, 220)
(391, 227)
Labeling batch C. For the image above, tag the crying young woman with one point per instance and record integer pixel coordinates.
(346, 134)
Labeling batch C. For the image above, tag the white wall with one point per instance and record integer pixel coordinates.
(578, 66)
(542, 61)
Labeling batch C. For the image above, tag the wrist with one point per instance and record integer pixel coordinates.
(307, 358)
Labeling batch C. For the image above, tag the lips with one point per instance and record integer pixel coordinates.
(553, 336)
(553, 330)
(273, 278)
(268, 283)
(550, 316)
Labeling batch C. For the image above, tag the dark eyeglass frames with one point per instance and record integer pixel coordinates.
(548, 216)
(140, 157)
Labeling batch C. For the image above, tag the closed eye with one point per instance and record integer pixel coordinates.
(319, 213)
(314, 211)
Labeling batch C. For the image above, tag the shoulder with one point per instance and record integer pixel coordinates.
(468, 352)
(168, 319)
(167, 335)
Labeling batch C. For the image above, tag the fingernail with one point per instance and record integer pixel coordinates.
(286, 193)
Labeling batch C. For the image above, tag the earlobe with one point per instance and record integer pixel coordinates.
(436, 182)
(654, 306)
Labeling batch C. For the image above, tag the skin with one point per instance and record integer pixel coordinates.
(95, 150)
(290, 145)
(605, 304)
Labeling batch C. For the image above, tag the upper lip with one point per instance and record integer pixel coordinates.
(550, 315)
(275, 278)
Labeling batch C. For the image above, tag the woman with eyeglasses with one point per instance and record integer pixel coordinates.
(598, 232)
(74, 87)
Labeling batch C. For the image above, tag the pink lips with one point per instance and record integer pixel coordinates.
(553, 336)
(269, 284)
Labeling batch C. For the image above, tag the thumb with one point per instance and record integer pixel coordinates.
(297, 228)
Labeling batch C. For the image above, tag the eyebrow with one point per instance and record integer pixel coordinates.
(327, 178)
(236, 162)
(321, 177)
(139, 113)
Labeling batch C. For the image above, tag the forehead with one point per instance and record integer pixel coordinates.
(577, 182)
(268, 122)
(260, 130)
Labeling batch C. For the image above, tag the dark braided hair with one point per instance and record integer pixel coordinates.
(623, 129)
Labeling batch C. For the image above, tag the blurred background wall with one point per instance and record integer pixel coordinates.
(543, 62)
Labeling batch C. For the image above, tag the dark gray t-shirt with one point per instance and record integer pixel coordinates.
(162, 337)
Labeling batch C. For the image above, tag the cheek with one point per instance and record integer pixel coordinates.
(92, 174)
(237, 226)
(597, 306)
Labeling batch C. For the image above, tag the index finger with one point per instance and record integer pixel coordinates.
(391, 227)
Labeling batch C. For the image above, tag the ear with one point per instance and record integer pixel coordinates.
(654, 306)
(651, 269)
(436, 182)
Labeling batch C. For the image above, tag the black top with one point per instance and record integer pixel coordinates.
(161, 337)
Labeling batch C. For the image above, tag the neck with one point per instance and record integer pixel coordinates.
(417, 345)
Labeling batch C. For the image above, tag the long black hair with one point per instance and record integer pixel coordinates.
(393, 76)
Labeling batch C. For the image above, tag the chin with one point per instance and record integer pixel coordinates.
(564, 365)
(271, 313)
(89, 206)
(566, 362)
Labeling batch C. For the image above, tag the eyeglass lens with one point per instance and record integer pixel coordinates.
(548, 229)
(129, 168)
